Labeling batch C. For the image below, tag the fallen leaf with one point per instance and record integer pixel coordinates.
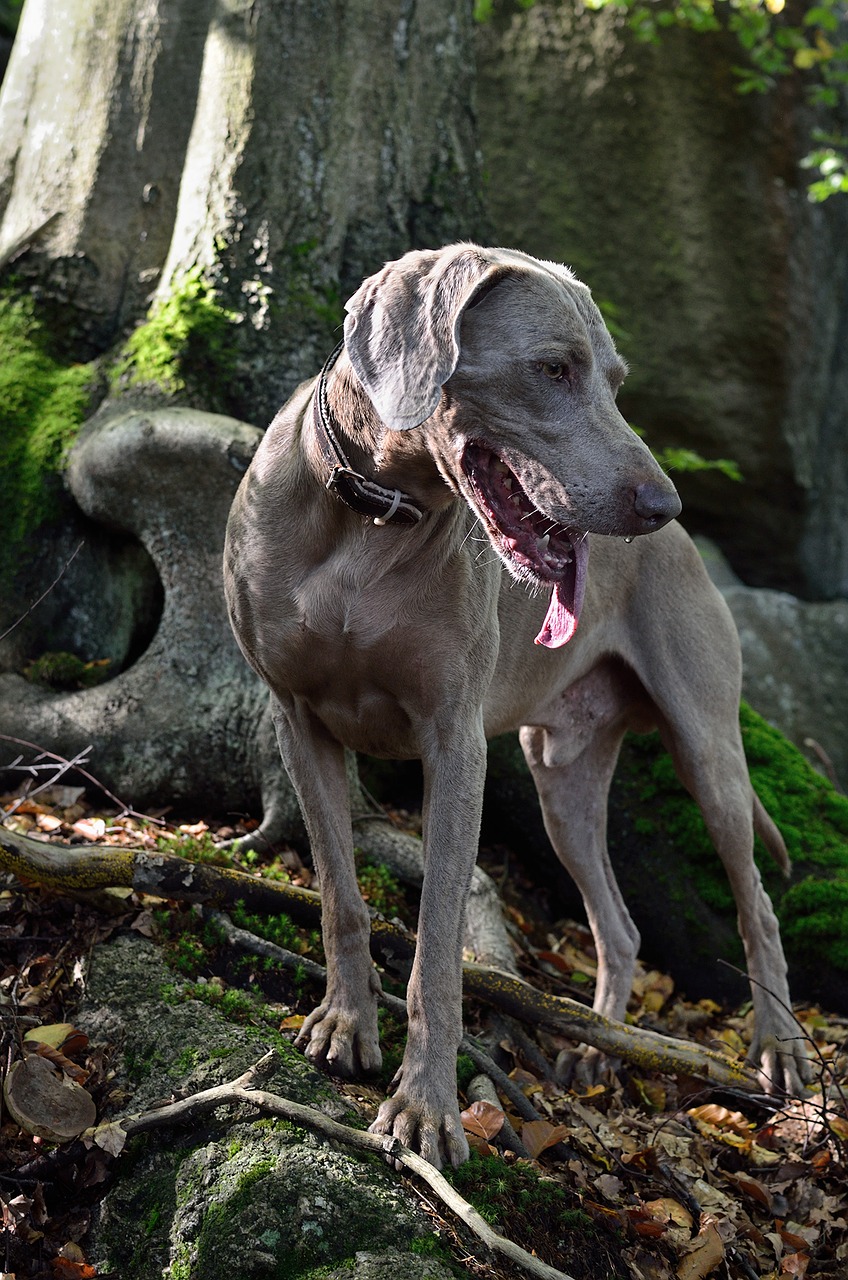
(293, 1022)
(794, 1264)
(64, 1269)
(90, 828)
(45, 1103)
(667, 1209)
(110, 1137)
(704, 1253)
(483, 1119)
(58, 1060)
(538, 1135)
(58, 1035)
(718, 1117)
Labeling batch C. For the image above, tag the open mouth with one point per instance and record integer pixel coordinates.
(535, 547)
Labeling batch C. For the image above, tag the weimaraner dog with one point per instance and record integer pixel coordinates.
(473, 404)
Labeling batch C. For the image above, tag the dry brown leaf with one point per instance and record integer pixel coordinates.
(718, 1117)
(704, 1253)
(538, 1135)
(794, 1265)
(110, 1137)
(483, 1119)
(58, 1060)
(45, 1103)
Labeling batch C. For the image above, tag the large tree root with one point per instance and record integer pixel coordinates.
(164, 875)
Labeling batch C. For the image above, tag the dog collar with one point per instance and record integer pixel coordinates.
(366, 497)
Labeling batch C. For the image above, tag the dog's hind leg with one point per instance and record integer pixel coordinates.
(342, 1031)
(710, 762)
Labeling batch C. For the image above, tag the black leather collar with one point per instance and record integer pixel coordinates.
(383, 506)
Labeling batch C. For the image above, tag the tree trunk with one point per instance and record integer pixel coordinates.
(283, 150)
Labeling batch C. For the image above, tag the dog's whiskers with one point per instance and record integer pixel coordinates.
(471, 529)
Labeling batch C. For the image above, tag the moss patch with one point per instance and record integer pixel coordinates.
(811, 814)
(185, 340)
(43, 402)
(540, 1215)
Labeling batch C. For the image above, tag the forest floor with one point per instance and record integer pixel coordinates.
(670, 1180)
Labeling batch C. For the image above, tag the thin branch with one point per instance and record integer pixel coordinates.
(244, 1090)
(54, 583)
(125, 809)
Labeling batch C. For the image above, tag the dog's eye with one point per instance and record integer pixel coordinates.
(554, 370)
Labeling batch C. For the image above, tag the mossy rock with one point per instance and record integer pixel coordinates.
(670, 875)
(254, 1198)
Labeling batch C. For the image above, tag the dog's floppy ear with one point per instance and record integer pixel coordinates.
(402, 328)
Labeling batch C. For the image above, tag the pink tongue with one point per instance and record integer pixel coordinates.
(559, 625)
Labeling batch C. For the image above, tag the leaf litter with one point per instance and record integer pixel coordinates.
(669, 1180)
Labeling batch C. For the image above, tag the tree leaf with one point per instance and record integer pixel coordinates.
(483, 1119)
(538, 1135)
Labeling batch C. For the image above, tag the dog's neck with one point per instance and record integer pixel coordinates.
(395, 459)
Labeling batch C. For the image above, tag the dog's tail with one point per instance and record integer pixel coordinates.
(766, 829)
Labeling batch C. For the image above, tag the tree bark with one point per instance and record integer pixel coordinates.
(284, 150)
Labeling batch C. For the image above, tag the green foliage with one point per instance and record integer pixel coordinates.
(278, 929)
(379, 887)
(466, 1070)
(812, 817)
(43, 402)
(185, 337)
(10, 15)
(674, 459)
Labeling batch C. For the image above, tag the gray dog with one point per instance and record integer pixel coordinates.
(473, 403)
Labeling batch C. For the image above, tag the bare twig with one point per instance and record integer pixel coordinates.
(125, 809)
(244, 1091)
(46, 593)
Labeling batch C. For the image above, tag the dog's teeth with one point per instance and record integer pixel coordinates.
(502, 468)
(507, 482)
(515, 499)
(542, 543)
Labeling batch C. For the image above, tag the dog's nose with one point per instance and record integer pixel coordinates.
(655, 505)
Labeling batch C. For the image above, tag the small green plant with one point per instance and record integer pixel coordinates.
(379, 887)
(278, 929)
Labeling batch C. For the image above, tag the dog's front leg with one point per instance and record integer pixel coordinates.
(423, 1112)
(342, 1031)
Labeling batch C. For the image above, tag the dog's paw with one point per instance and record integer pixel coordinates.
(585, 1067)
(343, 1041)
(781, 1059)
(425, 1126)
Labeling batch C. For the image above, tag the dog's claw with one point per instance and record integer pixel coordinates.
(435, 1132)
(345, 1043)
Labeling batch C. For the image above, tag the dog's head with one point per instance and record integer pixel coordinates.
(506, 365)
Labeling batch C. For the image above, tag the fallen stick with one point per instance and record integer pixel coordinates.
(244, 1090)
(165, 875)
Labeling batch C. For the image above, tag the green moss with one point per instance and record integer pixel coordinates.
(537, 1213)
(66, 671)
(43, 402)
(811, 814)
(186, 337)
(379, 887)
